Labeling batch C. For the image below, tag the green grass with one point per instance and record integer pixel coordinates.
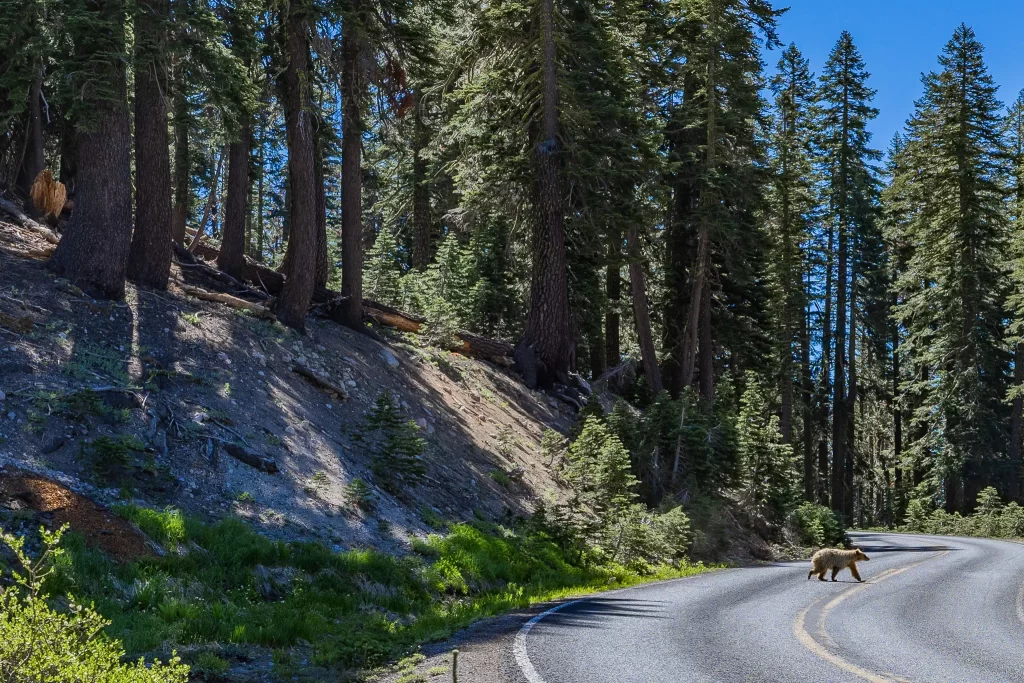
(355, 609)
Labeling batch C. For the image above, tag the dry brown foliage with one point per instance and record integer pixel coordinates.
(48, 195)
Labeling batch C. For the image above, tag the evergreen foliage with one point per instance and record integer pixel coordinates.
(769, 468)
(955, 277)
(397, 446)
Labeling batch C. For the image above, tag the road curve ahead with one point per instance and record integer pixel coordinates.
(932, 609)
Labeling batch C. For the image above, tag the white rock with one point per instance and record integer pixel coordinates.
(351, 383)
(329, 406)
(223, 358)
(389, 357)
(289, 430)
(3, 396)
(421, 423)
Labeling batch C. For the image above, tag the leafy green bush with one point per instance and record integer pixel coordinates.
(816, 526)
(38, 643)
(991, 518)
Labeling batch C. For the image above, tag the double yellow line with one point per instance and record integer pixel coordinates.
(807, 640)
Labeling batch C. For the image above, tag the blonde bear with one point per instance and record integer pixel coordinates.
(836, 560)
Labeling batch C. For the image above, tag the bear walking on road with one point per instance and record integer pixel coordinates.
(836, 560)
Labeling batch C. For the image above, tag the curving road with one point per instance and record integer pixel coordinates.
(932, 609)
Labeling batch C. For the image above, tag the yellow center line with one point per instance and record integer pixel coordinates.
(808, 641)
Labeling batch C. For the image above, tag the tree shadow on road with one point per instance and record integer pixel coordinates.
(593, 612)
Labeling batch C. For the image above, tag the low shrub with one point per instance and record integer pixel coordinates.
(816, 526)
(39, 643)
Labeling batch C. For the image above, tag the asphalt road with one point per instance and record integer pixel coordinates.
(931, 609)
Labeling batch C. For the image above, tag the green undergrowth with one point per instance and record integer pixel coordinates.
(223, 585)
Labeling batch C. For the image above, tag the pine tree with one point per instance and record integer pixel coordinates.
(846, 164)
(770, 477)
(953, 311)
(1015, 145)
(382, 275)
(398, 449)
(794, 212)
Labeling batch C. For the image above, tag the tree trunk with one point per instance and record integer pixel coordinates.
(1016, 425)
(298, 287)
(182, 160)
(613, 350)
(807, 389)
(149, 258)
(546, 352)
(260, 227)
(825, 384)
(323, 266)
(641, 312)
(897, 412)
(353, 94)
(420, 192)
(34, 158)
(706, 353)
(839, 423)
(93, 253)
(232, 249)
(850, 404)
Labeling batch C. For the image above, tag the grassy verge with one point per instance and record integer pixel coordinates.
(223, 586)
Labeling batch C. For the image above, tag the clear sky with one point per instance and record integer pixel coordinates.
(901, 39)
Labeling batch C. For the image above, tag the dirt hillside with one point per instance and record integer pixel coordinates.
(149, 399)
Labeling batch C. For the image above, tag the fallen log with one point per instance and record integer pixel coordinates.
(228, 300)
(23, 221)
(254, 460)
(187, 260)
(391, 318)
(36, 253)
(321, 382)
(474, 345)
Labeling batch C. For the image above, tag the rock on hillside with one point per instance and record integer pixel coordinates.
(153, 398)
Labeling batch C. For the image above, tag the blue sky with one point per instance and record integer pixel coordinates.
(901, 39)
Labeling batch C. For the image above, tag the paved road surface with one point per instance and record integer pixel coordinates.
(932, 609)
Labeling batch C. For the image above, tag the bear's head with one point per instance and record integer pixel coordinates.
(860, 556)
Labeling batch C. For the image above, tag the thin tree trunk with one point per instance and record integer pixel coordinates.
(260, 224)
(182, 160)
(297, 294)
(546, 352)
(707, 349)
(211, 201)
(149, 258)
(839, 422)
(353, 93)
(420, 191)
(826, 363)
(806, 391)
(34, 159)
(323, 269)
(1016, 425)
(232, 251)
(93, 253)
(641, 312)
(613, 351)
(851, 399)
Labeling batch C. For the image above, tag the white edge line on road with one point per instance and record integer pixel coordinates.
(519, 647)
